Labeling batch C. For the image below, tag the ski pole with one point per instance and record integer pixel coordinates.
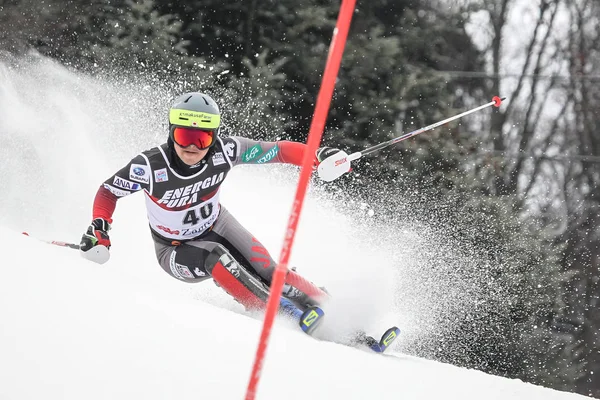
(338, 164)
(98, 254)
(496, 102)
(57, 242)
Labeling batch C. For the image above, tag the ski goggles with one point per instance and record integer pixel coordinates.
(185, 137)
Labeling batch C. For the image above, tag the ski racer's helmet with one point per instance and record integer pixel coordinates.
(194, 118)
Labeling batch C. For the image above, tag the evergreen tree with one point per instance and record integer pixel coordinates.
(264, 60)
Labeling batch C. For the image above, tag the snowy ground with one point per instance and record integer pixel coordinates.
(70, 329)
(75, 330)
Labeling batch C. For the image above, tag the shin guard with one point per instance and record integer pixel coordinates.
(235, 280)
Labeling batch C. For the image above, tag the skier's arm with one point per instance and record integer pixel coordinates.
(104, 204)
(248, 151)
(133, 177)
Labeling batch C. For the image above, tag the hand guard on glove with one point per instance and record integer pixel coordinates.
(96, 234)
(325, 152)
(331, 163)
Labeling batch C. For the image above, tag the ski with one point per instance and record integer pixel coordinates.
(386, 340)
(389, 336)
(311, 319)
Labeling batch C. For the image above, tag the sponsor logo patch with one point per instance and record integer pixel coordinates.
(233, 268)
(252, 153)
(230, 149)
(115, 191)
(125, 184)
(160, 175)
(191, 114)
(340, 162)
(310, 318)
(218, 159)
(173, 267)
(199, 229)
(199, 272)
(230, 265)
(184, 271)
(168, 230)
(268, 156)
(139, 173)
(389, 338)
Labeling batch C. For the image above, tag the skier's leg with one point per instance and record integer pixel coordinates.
(250, 291)
(183, 262)
(250, 252)
(242, 245)
(234, 278)
(198, 260)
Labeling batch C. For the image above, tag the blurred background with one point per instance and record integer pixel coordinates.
(516, 188)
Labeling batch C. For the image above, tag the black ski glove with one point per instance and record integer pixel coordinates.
(96, 234)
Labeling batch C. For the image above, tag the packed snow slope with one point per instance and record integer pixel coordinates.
(72, 329)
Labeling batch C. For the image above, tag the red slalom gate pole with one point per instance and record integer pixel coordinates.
(334, 59)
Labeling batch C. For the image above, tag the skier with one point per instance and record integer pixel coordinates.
(195, 237)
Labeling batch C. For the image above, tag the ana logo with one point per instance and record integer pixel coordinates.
(252, 153)
(229, 149)
(218, 159)
(160, 175)
(115, 191)
(269, 156)
(138, 173)
(189, 194)
(125, 184)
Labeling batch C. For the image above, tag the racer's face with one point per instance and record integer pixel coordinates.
(190, 155)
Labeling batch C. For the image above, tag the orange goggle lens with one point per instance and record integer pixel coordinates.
(189, 136)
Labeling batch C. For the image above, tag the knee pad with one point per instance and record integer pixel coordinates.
(235, 279)
(217, 254)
